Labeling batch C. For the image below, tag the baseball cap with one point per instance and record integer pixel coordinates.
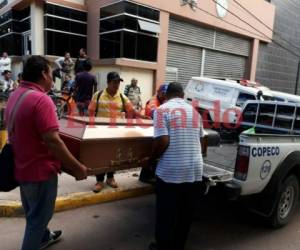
(111, 76)
(163, 88)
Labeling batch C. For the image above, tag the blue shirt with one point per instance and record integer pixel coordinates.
(182, 161)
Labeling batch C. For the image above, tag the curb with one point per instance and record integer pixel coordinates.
(76, 200)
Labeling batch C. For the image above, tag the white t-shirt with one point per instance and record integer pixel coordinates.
(5, 64)
(182, 161)
(6, 85)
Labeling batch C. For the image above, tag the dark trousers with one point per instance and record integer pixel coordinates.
(148, 173)
(175, 206)
(100, 177)
(38, 200)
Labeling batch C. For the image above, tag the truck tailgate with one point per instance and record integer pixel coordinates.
(215, 174)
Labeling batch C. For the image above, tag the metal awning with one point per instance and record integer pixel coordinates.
(148, 26)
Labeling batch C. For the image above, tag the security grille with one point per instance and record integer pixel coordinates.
(187, 59)
(186, 33)
(223, 65)
(225, 56)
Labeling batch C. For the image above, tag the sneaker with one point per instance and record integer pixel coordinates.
(111, 182)
(54, 237)
(98, 187)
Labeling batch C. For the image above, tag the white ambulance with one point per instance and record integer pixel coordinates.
(222, 101)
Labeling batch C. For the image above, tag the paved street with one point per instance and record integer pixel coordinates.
(128, 225)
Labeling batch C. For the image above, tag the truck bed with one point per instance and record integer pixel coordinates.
(223, 156)
(219, 163)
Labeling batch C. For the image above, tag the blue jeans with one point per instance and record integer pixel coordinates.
(38, 200)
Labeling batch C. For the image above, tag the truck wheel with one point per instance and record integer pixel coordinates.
(286, 204)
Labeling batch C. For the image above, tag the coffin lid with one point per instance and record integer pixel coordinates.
(93, 128)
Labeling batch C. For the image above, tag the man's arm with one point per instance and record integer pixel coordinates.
(132, 113)
(58, 62)
(160, 145)
(58, 148)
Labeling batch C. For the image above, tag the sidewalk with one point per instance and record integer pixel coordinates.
(74, 194)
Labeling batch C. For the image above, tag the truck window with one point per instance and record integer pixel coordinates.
(268, 98)
(278, 99)
(266, 114)
(243, 97)
(284, 116)
(249, 113)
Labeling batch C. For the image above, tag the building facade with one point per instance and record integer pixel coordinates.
(151, 40)
(277, 67)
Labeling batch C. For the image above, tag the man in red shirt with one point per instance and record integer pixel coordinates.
(38, 151)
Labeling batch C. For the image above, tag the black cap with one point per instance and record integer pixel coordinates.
(111, 76)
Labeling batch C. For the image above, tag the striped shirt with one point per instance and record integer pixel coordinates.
(110, 106)
(182, 161)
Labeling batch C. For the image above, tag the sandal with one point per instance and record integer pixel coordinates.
(98, 187)
(111, 182)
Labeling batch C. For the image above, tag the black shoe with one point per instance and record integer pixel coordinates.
(54, 237)
(152, 246)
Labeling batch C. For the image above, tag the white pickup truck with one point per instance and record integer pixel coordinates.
(265, 177)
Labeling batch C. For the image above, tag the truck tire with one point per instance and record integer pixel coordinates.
(286, 202)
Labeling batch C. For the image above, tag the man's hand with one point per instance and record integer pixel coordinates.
(81, 173)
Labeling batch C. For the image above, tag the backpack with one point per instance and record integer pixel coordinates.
(98, 98)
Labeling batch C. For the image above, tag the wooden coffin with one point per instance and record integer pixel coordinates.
(105, 145)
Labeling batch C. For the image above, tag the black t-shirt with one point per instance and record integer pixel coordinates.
(85, 85)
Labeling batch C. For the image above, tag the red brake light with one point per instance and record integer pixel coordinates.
(242, 163)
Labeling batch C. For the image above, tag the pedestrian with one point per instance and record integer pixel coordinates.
(65, 64)
(38, 151)
(5, 64)
(177, 132)
(85, 85)
(111, 103)
(133, 92)
(6, 84)
(80, 61)
(68, 84)
(156, 100)
(147, 175)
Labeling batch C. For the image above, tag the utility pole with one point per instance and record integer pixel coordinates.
(297, 78)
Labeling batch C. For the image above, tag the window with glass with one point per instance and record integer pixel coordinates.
(5, 17)
(129, 8)
(3, 3)
(57, 43)
(12, 25)
(65, 29)
(65, 12)
(12, 44)
(243, 97)
(128, 30)
(21, 14)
